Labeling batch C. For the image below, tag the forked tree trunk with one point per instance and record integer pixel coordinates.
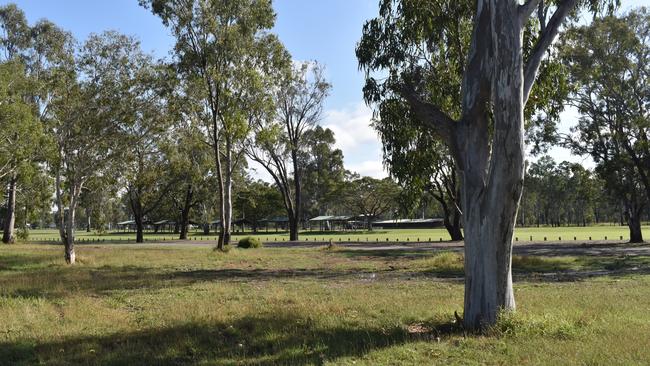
(10, 219)
(491, 200)
(67, 222)
(493, 180)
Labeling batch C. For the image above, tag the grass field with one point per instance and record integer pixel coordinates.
(175, 304)
(599, 232)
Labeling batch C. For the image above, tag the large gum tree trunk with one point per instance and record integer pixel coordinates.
(491, 200)
(488, 147)
(10, 220)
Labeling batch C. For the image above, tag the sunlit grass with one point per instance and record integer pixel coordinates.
(168, 305)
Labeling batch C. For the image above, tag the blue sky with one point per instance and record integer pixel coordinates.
(321, 30)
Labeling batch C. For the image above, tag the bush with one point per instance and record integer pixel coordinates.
(249, 242)
(22, 234)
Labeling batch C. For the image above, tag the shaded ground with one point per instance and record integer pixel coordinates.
(593, 248)
(545, 261)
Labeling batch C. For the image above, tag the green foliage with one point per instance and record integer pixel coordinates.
(228, 62)
(249, 242)
(609, 68)
(371, 198)
(22, 234)
(259, 200)
(323, 173)
(563, 194)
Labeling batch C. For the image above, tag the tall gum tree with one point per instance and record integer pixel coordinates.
(280, 141)
(147, 130)
(497, 61)
(609, 62)
(223, 48)
(35, 53)
(86, 120)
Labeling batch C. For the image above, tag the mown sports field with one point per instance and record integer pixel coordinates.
(177, 304)
(564, 233)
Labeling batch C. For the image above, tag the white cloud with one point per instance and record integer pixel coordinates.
(371, 168)
(351, 126)
(359, 142)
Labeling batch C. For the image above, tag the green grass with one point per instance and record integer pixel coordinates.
(598, 232)
(171, 305)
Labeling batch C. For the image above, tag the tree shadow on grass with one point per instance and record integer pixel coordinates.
(271, 339)
(59, 281)
(18, 262)
(55, 282)
(388, 253)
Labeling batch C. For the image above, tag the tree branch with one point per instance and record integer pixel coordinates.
(526, 9)
(543, 43)
(430, 115)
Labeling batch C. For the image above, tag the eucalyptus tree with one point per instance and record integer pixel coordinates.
(257, 201)
(97, 199)
(147, 130)
(370, 198)
(419, 162)
(467, 70)
(192, 172)
(22, 141)
(27, 56)
(87, 120)
(610, 68)
(280, 142)
(224, 50)
(324, 173)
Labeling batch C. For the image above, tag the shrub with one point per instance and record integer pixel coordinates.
(249, 242)
(22, 234)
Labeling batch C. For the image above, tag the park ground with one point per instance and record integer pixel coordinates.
(184, 303)
(526, 234)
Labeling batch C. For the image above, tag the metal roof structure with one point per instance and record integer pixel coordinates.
(408, 221)
(330, 218)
